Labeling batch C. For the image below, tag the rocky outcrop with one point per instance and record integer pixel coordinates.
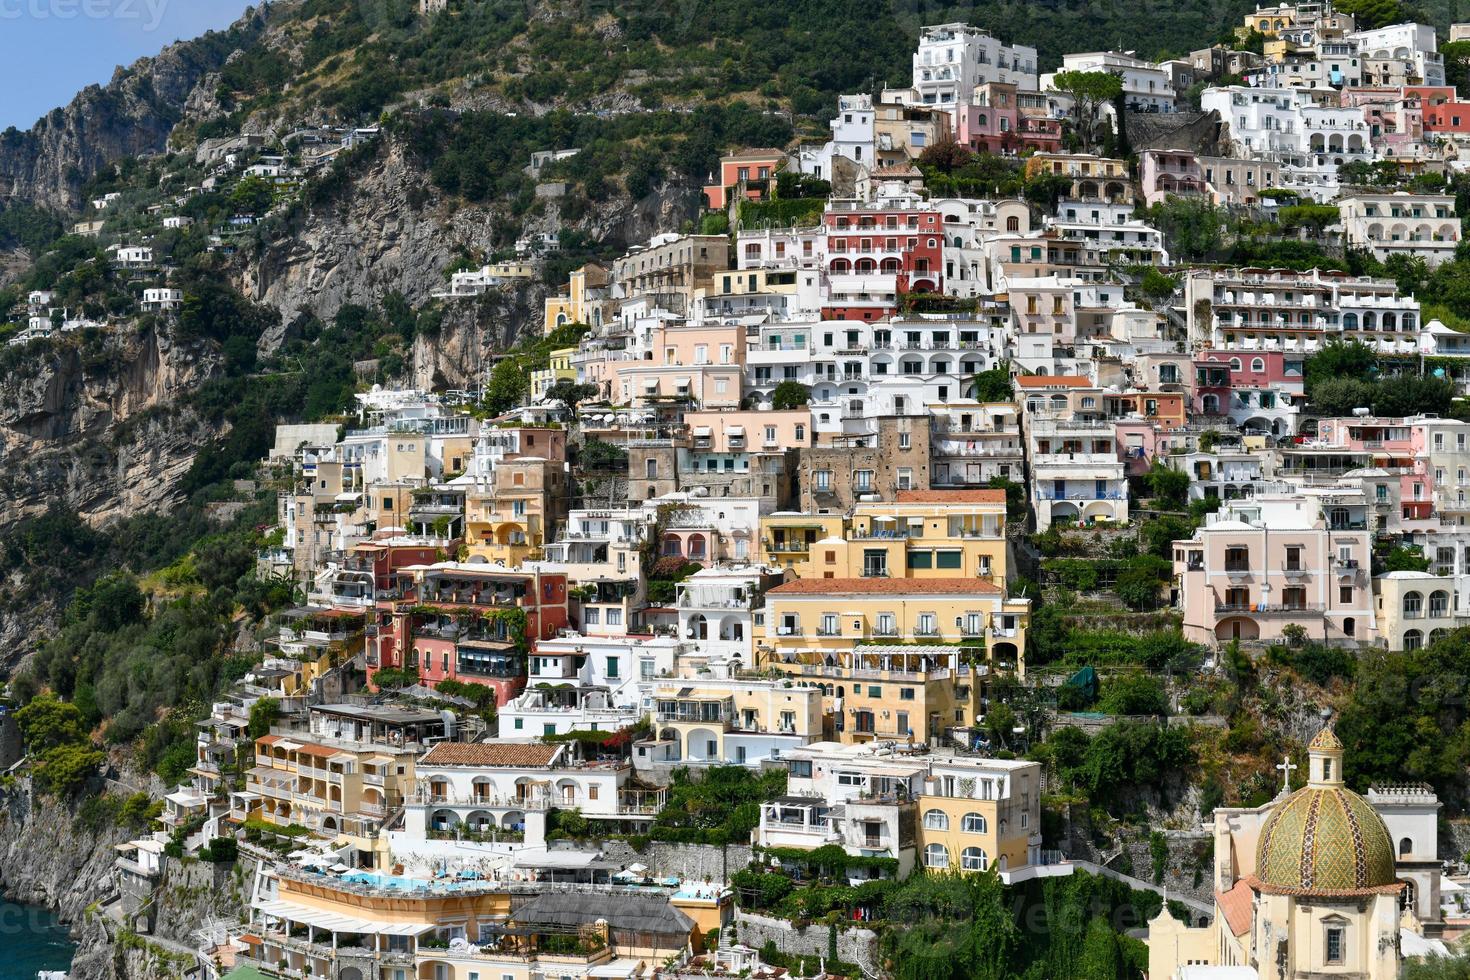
(131, 115)
(46, 860)
(100, 425)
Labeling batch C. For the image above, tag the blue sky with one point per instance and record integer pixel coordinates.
(50, 49)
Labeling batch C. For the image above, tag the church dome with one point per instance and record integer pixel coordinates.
(1324, 839)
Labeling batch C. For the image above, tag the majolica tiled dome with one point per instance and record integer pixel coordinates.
(1324, 839)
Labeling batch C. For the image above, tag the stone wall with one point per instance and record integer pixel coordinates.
(854, 944)
(691, 862)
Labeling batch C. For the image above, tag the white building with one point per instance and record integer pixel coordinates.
(1400, 54)
(1399, 223)
(1146, 86)
(162, 300)
(954, 58)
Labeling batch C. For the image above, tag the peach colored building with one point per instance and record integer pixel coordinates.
(743, 432)
(745, 174)
(1276, 560)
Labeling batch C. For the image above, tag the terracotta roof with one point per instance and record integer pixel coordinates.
(490, 754)
(1052, 381)
(884, 586)
(1236, 904)
(951, 497)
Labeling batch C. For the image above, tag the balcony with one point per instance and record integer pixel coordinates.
(1270, 608)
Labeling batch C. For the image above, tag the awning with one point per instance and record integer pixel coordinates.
(734, 430)
(341, 923)
(702, 432)
(683, 382)
(651, 384)
(916, 521)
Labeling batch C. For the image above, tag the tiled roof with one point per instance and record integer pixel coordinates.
(1051, 381)
(884, 586)
(490, 754)
(951, 496)
(1236, 904)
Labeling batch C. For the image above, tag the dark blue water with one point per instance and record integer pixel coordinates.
(32, 940)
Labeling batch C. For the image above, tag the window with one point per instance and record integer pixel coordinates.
(1335, 936)
(973, 823)
(822, 479)
(612, 667)
(905, 694)
(973, 859)
(949, 559)
(921, 559)
(936, 856)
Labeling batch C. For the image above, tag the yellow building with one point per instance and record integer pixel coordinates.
(510, 520)
(978, 812)
(923, 534)
(559, 368)
(896, 658)
(581, 303)
(335, 789)
(735, 722)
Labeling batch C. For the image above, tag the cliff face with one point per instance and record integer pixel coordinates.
(103, 430)
(44, 860)
(132, 115)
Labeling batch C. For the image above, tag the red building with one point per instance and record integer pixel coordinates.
(467, 622)
(878, 252)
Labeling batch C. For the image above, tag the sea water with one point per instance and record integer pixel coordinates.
(33, 941)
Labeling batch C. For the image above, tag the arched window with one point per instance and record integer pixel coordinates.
(1439, 604)
(1406, 847)
(974, 823)
(1413, 605)
(1235, 364)
(936, 820)
(1350, 321)
(1257, 364)
(1413, 640)
(1013, 223)
(936, 856)
(973, 859)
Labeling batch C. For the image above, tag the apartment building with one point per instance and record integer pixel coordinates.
(1279, 309)
(1094, 178)
(1422, 226)
(854, 637)
(918, 534)
(888, 455)
(715, 609)
(498, 787)
(972, 443)
(878, 250)
(546, 711)
(1146, 86)
(512, 519)
(1276, 559)
(671, 268)
(1414, 609)
(859, 796)
(952, 59)
(472, 622)
(1076, 471)
(975, 813)
(334, 788)
(714, 721)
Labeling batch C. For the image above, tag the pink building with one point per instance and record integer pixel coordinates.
(1166, 173)
(1275, 560)
(1397, 447)
(748, 174)
(988, 123)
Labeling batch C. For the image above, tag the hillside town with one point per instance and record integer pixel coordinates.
(769, 585)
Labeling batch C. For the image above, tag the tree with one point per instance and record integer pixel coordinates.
(1090, 90)
(507, 388)
(48, 722)
(1336, 359)
(994, 385)
(1168, 487)
(1016, 504)
(252, 195)
(1100, 958)
(1456, 64)
(946, 156)
(570, 393)
(1193, 227)
(1339, 396)
(1045, 190)
(1134, 694)
(1406, 558)
(263, 714)
(1138, 582)
(1373, 14)
(1156, 285)
(790, 394)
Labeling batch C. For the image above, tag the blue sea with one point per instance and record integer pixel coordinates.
(32, 941)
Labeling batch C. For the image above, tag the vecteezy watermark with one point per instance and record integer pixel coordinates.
(17, 920)
(150, 12)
